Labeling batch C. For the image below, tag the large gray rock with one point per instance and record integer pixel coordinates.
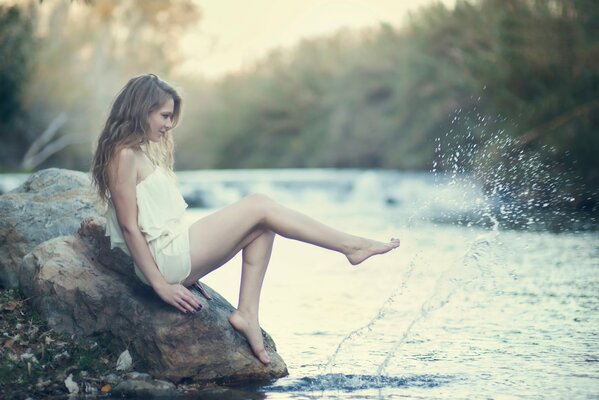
(74, 283)
(51, 203)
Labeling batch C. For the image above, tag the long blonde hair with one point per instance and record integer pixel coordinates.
(127, 125)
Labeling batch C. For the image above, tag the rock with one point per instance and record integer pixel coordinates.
(82, 287)
(71, 385)
(88, 388)
(144, 388)
(76, 293)
(141, 376)
(112, 379)
(29, 357)
(124, 361)
(51, 203)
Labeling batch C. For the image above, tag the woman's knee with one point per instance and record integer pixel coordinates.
(259, 204)
(268, 234)
(258, 198)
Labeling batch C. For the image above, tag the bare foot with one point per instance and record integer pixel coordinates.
(366, 248)
(250, 328)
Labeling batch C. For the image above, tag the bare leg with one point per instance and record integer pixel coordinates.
(295, 225)
(215, 239)
(246, 320)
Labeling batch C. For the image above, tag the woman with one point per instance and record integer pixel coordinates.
(133, 173)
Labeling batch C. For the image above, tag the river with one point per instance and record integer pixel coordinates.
(466, 308)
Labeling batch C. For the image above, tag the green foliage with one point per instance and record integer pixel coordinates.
(72, 57)
(16, 44)
(380, 97)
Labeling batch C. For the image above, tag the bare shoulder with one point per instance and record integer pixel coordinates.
(126, 156)
(124, 165)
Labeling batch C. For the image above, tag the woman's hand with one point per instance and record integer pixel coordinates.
(178, 296)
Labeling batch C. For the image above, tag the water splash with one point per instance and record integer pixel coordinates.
(464, 170)
(528, 186)
(380, 315)
(517, 187)
(351, 383)
(466, 270)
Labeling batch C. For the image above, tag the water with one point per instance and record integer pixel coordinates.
(466, 308)
(461, 310)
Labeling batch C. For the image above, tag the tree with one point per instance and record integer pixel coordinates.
(85, 52)
(17, 44)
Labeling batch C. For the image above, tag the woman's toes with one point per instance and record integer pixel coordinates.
(263, 356)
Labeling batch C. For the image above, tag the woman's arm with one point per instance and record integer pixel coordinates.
(122, 183)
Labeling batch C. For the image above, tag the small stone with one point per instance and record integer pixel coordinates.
(140, 376)
(113, 379)
(124, 361)
(41, 383)
(89, 388)
(144, 389)
(29, 357)
(71, 385)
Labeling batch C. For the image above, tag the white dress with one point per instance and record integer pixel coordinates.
(161, 210)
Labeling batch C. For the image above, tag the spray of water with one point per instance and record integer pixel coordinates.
(385, 308)
(526, 185)
(509, 185)
(466, 270)
(388, 304)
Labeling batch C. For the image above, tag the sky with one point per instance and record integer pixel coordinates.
(235, 33)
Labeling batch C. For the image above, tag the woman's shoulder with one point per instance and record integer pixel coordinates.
(126, 160)
(130, 157)
(126, 155)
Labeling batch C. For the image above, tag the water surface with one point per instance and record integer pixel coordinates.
(461, 310)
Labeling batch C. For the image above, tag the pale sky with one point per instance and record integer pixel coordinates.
(235, 33)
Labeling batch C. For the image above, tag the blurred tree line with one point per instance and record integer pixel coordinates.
(63, 62)
(372, 98)
(379, 98)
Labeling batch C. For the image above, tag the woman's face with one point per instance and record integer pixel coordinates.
(161, 121)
